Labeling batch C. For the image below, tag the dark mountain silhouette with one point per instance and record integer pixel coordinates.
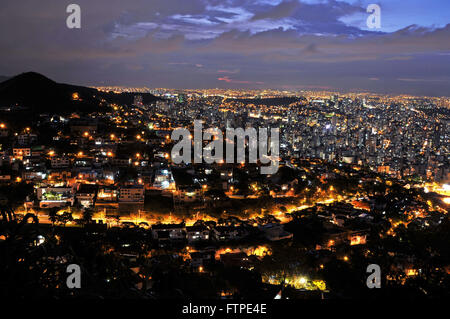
(39, 94)
(4, 78)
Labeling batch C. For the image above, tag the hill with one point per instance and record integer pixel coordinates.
(39, 94)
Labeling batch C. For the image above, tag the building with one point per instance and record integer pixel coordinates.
(86, 194)
(82, 126)
(274, 232)
(21, 151)
(60, 162)
(132, 194)
(202, 258)
(197, 233)
(26, 139)
(169, 232)
(55, 196)
(188, 194)
(225, 233)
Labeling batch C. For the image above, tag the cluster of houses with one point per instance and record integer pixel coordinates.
(94, 170)
(88, 195)
(210, 231)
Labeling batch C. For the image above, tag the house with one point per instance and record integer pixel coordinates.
(201, 258)
(60, 162)
(5, 177)
(357, 239)
(88, 174)
(33, 162)
(188, 194)
(120, 161)
(163, 179)
(107, 194)
(37, 150)
(110, 174)
(238, 259)
(197, 233)
(4, 132)
(26, 139)
(226, 172)
(224, 233)
(132, 194)
(81, 126)
(338, 219)
(21, 152)
(55, 196)
(162, 232)
(274, 232)
(86, 194)
(188, 189)
(53, 192)
(34, 174)
(59, 174)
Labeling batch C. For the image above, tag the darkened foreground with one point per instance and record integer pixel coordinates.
(131, 263)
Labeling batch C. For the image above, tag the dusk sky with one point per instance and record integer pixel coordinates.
(307, 44)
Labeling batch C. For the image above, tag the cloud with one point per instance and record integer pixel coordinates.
(422, 80)
(197, 65)
(282, 10)
(228, 80)
(399, 58)
(228, 71)
(298, 87)
(288, 45)
(281, 44)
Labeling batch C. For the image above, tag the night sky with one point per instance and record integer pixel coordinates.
(232, 44)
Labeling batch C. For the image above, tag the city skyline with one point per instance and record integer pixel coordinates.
(291, 45)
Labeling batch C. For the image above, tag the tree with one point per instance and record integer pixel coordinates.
(52, 215)
(64, 218)
(87, 216)
(117, 219)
